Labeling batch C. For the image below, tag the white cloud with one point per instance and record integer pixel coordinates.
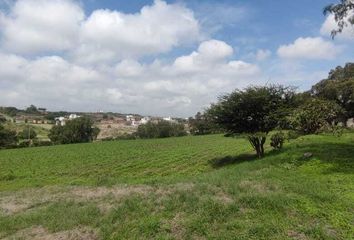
(41, 26)
(34, 26)
(263, 54)
(108, 35)
(330, 24)
(309, 48)
(156, 88)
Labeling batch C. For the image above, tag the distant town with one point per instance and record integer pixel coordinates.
(111, 124)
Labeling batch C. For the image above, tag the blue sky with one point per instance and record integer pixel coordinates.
(160, 57)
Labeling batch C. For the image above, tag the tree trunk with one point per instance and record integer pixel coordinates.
(257, 143)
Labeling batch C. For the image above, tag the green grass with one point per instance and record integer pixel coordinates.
(207, 187)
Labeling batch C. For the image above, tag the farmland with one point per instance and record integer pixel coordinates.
(207, 187)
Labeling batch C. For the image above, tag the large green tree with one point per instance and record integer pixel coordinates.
(78, 130)
(343, 14)
(254, 112)
(338, 87)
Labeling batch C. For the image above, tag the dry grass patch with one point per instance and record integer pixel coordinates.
(40, 233)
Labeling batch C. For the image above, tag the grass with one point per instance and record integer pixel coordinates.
(207, 187)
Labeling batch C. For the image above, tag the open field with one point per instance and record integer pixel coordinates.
(207, 187)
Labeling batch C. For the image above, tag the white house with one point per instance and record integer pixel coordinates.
(129, 118)
(73, 116)
(145, 120)
(60, 121)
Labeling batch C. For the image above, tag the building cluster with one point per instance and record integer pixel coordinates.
(61, 121)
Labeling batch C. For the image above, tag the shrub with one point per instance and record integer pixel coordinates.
(27, 133)
(161, 129)
(316, 116)
(277, 140)
(8, 138)
(291, 134)
(78, 130)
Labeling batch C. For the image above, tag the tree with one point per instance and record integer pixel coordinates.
(27, 134)
(315, 115)
(338, 87)
(254, 111)
(343, 13)
(8, 138)
(161, 129)
(78, 130)
(201, 124)
(32, 110)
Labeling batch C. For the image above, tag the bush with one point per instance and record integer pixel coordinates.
(161, 129)
(291, 134)
(316, 116)
(8, 138)
(27, 133)
(277, 140)
(79, 130)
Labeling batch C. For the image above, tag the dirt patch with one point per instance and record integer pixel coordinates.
(40, 233)
(88, 193)
(297, 235)
(175, 226)
(16, 202)
(223, 198)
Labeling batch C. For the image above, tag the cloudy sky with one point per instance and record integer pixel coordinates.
(160, 57)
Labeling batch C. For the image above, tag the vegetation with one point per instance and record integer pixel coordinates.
(207, 187)
(338, 87)
(160, 129)
(255, 112)
(343, 14)
(28, 133)
(8, 138)
(316, 115)
(202, 124)
(277, 140)
(78, 130)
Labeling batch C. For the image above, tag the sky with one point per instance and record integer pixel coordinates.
(160, 58)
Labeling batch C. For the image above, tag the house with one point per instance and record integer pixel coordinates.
(73, 116)
(60, 121)
(42, 110)
(144, 120)
(169, 119)
(129, 118)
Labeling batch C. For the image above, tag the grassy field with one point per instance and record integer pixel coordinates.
(207, 187)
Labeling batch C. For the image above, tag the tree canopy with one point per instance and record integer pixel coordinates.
(78, 130)
(343, 13)
(338, 87)
(255, 111)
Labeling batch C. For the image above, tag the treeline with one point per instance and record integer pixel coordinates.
(78, 130)
(258, 110)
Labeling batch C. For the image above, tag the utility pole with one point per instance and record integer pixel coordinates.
(29, 135)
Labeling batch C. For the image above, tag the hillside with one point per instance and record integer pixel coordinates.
(207, 187)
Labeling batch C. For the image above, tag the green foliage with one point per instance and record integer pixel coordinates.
(161, 129)
(338, 87)
(315, 116)
(277, 140)
(11, 111)
(343, 15)
(255, 112)
(32, 110)
(201, 124)
(8, 138)
(78, 130)
(2, 119)
(27, 133)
